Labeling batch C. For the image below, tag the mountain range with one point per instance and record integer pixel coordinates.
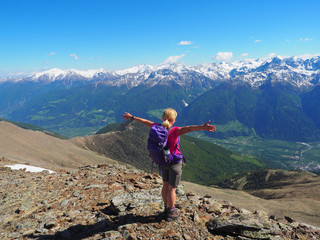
(297, 71)
(257, 98)
(274, 98)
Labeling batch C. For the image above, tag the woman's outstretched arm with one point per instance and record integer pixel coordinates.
(147, 122)
(206, 127)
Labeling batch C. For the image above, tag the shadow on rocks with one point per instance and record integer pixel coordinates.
(80, 231)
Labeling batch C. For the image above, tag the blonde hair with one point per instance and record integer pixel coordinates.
(168, 116)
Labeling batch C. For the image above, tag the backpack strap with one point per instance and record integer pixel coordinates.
(176, 148)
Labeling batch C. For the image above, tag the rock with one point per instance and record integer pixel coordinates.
(129, 187)
(140, 185)
(245, 211)
(196, 216)
(181, 191)
(127, 201)
(261, 213)
(26, 233)
(95, 186)
(19, 211)
(49, 224)
(238, 225)
(186, 236)
(74, 213)
(112, 235)
(289, 219)
(64, 203)
(193, 198)
(158, 181)
(76, 193)
(102, 203)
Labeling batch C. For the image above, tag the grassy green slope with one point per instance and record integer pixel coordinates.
(206, 162)
(271, 111)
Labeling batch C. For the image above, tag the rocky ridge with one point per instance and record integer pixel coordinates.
(113, 201)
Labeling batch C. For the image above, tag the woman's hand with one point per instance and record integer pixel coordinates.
(187, 129)
(127, 116)
(208, 127)
(147, 122)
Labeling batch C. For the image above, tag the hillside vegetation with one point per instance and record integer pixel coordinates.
(271, 111)
(206, 162)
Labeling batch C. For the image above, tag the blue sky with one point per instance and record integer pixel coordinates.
(39, 35)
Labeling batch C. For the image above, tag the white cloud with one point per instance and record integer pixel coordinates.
(185, 43)
(52, 53)
(244, 54)
(224, 56)
(96, 58)
(305, 39)
(308, 55)
(272, 55)
(257, 41)
(75, 56)
(302, 56)
(173, 59)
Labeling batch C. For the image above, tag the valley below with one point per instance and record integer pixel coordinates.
(277, 153)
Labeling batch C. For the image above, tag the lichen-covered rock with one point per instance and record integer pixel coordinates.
(239, 225)
(119, 202)
(127, 201)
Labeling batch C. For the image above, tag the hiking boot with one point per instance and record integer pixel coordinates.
(165, 211)
(172, 215)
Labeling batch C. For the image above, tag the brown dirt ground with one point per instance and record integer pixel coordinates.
(39, 149)
(301, 202)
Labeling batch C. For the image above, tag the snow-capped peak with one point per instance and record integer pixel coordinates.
(297, 70)
(52, 74)
(137, 69)
(58, 74)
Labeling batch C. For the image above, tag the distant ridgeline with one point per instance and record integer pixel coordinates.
(267, 179)
(274, 99)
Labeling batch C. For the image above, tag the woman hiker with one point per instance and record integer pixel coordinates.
(171, 173)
